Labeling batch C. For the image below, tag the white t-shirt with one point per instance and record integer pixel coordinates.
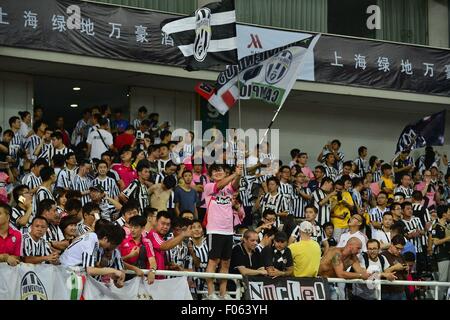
(97, 145)
(346, 236)
(82, 252)
(381, 235)
(24, 129)
(363, 290)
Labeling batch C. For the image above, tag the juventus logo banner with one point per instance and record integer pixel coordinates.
(428, 131)
(208, 37)
(281, 288)
(268, 76)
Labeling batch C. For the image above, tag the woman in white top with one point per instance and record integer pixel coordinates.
(25, 124)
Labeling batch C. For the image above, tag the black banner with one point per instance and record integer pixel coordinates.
(130, 34)
(382, 65)
(281, 288)
(104, 31)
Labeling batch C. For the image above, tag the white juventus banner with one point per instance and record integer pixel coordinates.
(138, 289)
(35, 282)
(48, 282)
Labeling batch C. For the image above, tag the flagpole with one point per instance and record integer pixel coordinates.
(271, 122)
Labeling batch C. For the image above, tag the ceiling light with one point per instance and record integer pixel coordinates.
(74, 105)
(76, 88)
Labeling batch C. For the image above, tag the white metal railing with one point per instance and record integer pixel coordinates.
(376, 283)
(237, 278)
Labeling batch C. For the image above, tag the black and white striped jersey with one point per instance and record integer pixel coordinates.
(422, 213)
(137, 124)
(115, 261)
(180, 256)
(83, 251)
(51, 151)
(362, 166)
(376, 176)
(31, 145)
(41, 194)
(17, 213)
(357, 199)
(331, 172)
(139, 192)
(376, 214)
(245, 190)
(31, 181)
(416, 225)
(339, 161)
(65, 178)
(277, 203)
(109, 185)
(31, 248)
(324, 212)
(202, 254)
(82, 228)
(407, 191)
(113, 174)
(120, 222)
(317, 234)
(171, 201)
(82, 184)
(298, 202)
(54, 233)
(107, 210)
(16, 144)
(287, 191)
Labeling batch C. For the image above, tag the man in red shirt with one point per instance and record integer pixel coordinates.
(125, 171)
(125, 139)
(137, 251)
(156, 237)
(10, 239)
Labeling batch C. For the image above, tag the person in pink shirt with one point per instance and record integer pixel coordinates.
(219, 223)
(156, 237)
(302, 162)
(125, 170)
(10, 239)
(428, 189)
(137, 251)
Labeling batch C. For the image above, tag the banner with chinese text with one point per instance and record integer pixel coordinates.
(135, 35)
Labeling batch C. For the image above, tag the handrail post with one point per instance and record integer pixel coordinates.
(238, 289)
(436, 292)
(378, 289)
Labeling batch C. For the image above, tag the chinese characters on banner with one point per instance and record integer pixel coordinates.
(131, 34)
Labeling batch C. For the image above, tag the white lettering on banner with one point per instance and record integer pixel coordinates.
(166, 39)
(360, 61)
(336, 63)
(447, 71)
(3, 14)
(406, 67)
(59, 23)
(115, 27)
(292, 290)
(383, 64)
(30, 19)
(429, 67)
(87, 26)
(141, 34)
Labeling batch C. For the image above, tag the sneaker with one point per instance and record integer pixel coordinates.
(213, 297)
(227, 297)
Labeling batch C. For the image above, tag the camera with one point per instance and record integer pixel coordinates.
(339, 195)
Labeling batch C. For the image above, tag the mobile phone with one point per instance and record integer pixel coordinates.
(22, 199)
(97, 216)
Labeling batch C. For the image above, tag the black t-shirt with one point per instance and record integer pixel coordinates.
(281, 260)
(2, 154)
(240, 258)
(442, 251)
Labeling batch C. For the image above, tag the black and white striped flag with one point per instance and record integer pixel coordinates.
(206, 38)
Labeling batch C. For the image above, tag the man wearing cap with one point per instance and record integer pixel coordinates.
(278, 258)
(305, 253)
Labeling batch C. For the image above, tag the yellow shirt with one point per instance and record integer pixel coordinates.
(306, 258)
(340, 209)
(388, 183)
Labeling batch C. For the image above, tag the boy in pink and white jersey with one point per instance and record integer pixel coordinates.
(219, 226)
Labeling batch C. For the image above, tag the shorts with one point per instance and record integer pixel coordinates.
(220, 246)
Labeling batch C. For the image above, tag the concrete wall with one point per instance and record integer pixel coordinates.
(16, 94)
(438, 23)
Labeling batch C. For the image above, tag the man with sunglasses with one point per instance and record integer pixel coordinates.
(355, 224)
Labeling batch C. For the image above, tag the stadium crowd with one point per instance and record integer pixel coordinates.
(115, 195)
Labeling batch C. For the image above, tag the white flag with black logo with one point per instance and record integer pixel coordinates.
(267, 76)
(207, 37)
